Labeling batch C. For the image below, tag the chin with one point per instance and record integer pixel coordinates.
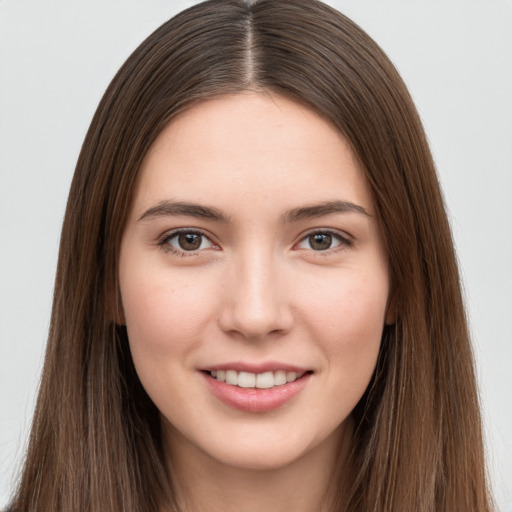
(268, 446)
(254, 458)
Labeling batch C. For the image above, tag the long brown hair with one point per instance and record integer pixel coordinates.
(95, 442)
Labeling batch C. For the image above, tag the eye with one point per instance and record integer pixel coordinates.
(323, 241)
(185, 241)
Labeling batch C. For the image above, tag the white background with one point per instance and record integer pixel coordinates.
(56, 59)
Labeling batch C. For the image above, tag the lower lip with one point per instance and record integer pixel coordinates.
(255, 399)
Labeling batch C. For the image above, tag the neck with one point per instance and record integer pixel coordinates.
(308, 483)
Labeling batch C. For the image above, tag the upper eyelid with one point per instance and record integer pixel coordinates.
(166, 235)
(331, 231)
(164, 238)
(345, 242)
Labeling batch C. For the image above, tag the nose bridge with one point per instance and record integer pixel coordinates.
(256, 302)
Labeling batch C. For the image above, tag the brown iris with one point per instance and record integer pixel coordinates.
(320, 241)
(189, 241)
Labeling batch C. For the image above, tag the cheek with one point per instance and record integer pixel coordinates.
(347, 316)
(164, 311)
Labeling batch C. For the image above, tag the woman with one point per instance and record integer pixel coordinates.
(257, 302)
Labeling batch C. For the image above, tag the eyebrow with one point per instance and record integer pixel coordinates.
(322, 209)
(169, 208)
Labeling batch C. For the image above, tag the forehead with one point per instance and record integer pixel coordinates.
(264, 150)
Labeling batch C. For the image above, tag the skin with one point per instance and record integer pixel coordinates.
(257, 289)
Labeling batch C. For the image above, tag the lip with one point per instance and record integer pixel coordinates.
(255, 400)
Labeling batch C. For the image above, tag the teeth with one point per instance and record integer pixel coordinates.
(265, 380)
(280, 378)
(252, 380)
(232, 377)
(246, 379)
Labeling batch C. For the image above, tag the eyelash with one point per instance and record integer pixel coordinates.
(163, 241)
(344, 241)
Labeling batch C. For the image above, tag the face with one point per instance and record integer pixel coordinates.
(254, 281)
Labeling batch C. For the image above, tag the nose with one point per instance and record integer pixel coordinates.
(256, 300)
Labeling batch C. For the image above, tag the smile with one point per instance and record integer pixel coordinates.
(266, 380)
(256, 388)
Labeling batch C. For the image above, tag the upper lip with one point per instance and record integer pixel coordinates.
(270, 366)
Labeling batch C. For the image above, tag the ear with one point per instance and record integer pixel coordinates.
(119, 317)
(391, 310)
(114, 307)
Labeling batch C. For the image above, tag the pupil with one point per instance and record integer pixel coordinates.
(189, 241)
(320, 242)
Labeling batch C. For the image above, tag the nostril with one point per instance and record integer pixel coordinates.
(256, 323)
